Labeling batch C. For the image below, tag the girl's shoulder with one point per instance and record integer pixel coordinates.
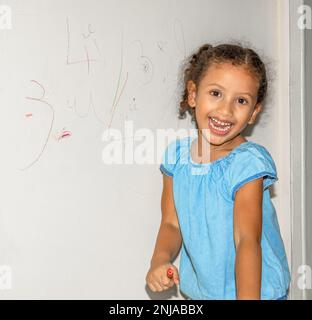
(176, 145)
(249, 161)
(250, 150)
(175, 152)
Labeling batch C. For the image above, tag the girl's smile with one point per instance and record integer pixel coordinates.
(219, 128)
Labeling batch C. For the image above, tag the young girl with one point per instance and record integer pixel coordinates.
(215, 203)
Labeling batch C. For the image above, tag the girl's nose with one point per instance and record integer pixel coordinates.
(225, 109)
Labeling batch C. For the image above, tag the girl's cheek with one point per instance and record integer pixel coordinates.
(207, 101)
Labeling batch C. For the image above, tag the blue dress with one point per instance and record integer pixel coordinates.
(204, 198)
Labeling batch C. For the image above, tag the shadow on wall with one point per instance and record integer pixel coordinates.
(164, 295)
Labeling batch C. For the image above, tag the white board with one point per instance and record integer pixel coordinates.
(71, 226)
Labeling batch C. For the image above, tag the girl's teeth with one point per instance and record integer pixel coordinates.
(225, 128)
(220, 122)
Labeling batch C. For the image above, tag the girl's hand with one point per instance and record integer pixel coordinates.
(157, 279)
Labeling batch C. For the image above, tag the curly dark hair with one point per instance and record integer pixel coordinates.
(197, 64)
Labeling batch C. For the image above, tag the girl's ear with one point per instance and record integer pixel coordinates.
(191, 90)
(257, 110)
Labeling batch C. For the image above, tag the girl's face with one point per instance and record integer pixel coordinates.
(228, 94)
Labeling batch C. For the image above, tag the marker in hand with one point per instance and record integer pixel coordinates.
(170, 272)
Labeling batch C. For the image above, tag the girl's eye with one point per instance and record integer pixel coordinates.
(214, 93)
(242, 101)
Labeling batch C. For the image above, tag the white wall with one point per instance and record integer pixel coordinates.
(71, 226)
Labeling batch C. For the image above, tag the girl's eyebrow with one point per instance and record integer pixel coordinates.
(218, 85)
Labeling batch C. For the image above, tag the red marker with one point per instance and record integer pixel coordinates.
(170, 273)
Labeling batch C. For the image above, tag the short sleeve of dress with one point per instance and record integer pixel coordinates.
(169, 159)
(248, 164)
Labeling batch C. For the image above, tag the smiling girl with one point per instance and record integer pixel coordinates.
(215, 203)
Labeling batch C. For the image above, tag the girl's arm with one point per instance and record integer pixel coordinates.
(247, 236)
(169, 239)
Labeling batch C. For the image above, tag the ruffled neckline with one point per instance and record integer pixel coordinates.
(196, 164)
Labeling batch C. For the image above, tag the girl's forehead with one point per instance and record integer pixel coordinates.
(228, 75)
(221, 69)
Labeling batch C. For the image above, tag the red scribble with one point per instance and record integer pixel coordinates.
(115, 103)
(96, 45)
(120, 86)
(64, 134)
(28, 115)
(41, 99)
(89, 32)
(116, 99)
(90, 106)
(42, 88)
(87, 59)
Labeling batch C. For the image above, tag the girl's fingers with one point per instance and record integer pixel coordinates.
(176, 279)
(158, 286)
(171, 283)
(165, 281)
(152, 287)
